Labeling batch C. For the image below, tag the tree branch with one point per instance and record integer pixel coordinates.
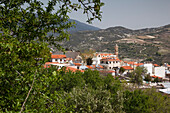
(22, 108)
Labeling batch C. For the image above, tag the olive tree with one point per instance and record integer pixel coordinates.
(136, 75)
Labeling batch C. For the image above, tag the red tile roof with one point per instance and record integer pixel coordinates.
(47, 64)
(156, 76)
(156, 65)
(100, 66)
(88, 66)
(94, 66)
(139, 64)
(51, 63)
(104, 54)
(77, 64)
(132, 63)
(127, 67)
(58, 56)
(73, 69)
(110, 59)
(69, 59)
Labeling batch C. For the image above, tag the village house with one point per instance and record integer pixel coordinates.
(159, 72)
(99, 56)
(58, 58)
(58, 65)
(74, 56)
(128, 69)
(110, 63)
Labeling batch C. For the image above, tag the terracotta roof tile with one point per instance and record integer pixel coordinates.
(100, 66)
(138, 64)
(110, 59)
(69, 59)
(58, 56)
(77, 64)
(156, 65)
(88, 66)
(73, 69)
(156, 76)
(48, 64)
(131, 63)
(127, 67)
(104, 54)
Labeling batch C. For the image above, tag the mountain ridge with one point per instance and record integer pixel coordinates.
(131, 42)
(80, 26)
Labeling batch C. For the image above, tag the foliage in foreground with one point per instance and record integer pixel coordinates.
(61, 91)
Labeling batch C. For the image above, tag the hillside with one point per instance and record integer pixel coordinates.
(150, 44)
(79, 26)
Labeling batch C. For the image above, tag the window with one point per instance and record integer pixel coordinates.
(56, 59)
(102, 62)
(110, 67)
(116, 61)
(110, 62)
(106, 62)
(99, 56)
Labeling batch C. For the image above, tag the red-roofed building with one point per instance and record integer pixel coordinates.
(73, 69)
(132, 64)
(128, 69)
(58, 58)
(58, 65)
(100, 67)
(98, 56)
(156, 77)
(89, 67)
(69, 60)
(77, 64)
(156, 65)
(110, 63)
(139, 64)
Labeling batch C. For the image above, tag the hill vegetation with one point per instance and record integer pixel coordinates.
(143, 44)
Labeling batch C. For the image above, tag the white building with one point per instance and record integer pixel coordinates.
(58, 58)
(149, 68)
(48, 64)
(98, 56)
(160, 72)
(110, 63)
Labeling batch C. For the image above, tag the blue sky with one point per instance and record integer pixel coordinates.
(133, 14)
